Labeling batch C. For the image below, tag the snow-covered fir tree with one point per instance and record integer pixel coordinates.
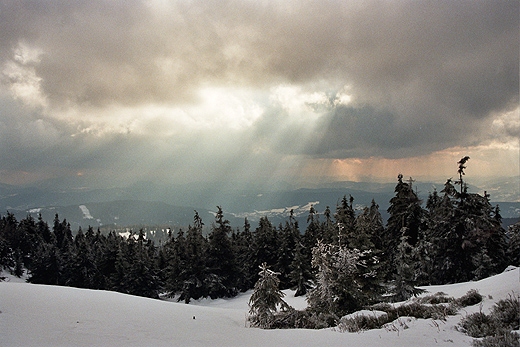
(300, 275)
(337, 291)
(266, 299)
(405, 278)
(513, 248)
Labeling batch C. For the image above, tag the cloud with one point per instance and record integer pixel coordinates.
(140, 84)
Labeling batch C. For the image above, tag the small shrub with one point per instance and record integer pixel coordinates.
(496, 327)
(506, 313)
(478, 325)
(382, 306)
(437, 298)
(509, 339)
(294, 319)
(472, 297)
(362, 322)
(417, 310)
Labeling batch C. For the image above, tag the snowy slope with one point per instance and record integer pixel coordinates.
(36, 315)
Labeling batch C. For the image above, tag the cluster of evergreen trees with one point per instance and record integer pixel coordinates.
(86, 260)
(343, 260)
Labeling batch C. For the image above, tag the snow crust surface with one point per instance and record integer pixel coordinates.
(38, 315)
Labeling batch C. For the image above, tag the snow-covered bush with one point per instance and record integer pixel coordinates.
(417, 310)
(504, 317)
(437, 298)
(472, 297)
(509, 339)
(507, 313)
(387, 313)
(478, 324)
(293, 319)
(363, 321)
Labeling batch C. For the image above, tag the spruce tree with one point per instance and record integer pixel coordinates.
(368, 230)
(107, 253)
(312, 232)
(83, 267)
(345, 217)
(123, 261)
(288, 236)
(265, 244)
(404, 279)
(194, 269)
(266, 299)
(7, 232)
(142, 278)
(469, 241)
(221, 280)
(328, 227)
(513, 244)
(337, 291)
(243, 249)
(46, 265)
(28, 240)
(406, 214)
(301, 272)
(100, 253)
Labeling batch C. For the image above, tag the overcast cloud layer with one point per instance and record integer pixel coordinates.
(182, 91)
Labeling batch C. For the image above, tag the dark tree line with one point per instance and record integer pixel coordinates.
(343, 260)
(87, 260)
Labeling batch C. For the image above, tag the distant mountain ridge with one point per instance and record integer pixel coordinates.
(119, 213)
(147, 203)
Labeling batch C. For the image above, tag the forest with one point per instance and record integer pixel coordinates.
(343, 259)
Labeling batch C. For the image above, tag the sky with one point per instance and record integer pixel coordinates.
(257, 92)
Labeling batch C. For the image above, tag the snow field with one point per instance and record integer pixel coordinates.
(38, 315)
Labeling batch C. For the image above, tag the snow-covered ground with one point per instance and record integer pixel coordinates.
(37, 315)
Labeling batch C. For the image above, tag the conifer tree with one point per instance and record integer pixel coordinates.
(28, 239)
(46, 265)
(265, 244)
(445, 238)
(44, 231)
(171, 260)
(83, 267)
(107, 256)
(266, 299)
(222, 267)
(406, 214)
(288, 236)
(469, 241)
(8, 235)
(243, 248)
(345, 217)
(337, 290)
(368, 230)
(124, 258)
(312, 233)
(462, 165)
(404, 281)
(328, 227)
(301, 274)
(195, 270)
(142, 278)
(513, 244)
(100, 253)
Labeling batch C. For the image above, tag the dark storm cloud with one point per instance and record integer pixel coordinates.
(463, 54)
(359, 132)
(424, 75)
